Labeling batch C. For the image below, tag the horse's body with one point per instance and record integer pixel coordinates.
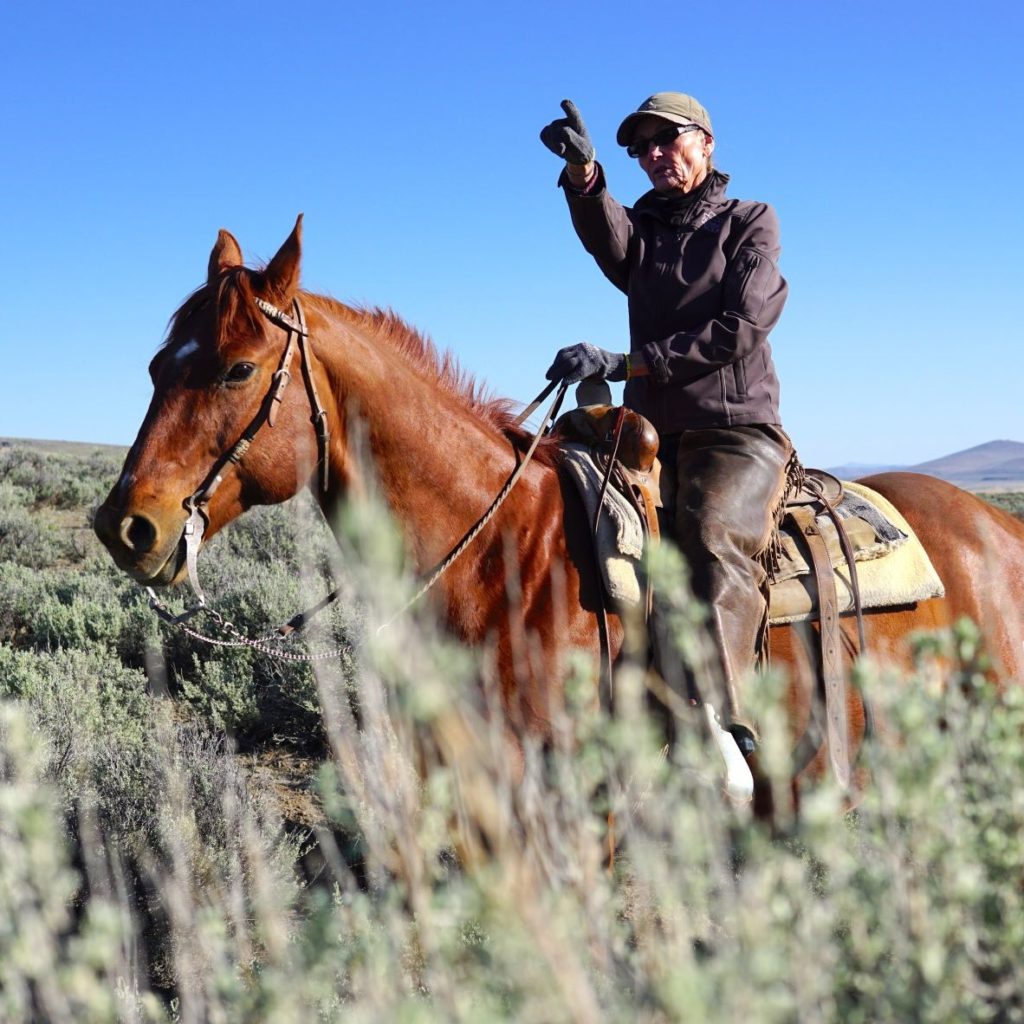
(440, 456)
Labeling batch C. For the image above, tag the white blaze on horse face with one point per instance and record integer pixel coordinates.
(186, 350)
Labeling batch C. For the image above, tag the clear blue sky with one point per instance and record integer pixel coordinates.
(887, 135)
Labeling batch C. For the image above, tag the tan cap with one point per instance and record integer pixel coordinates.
(676, 107)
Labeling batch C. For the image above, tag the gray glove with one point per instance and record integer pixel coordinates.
(567, 136)
(585, 360)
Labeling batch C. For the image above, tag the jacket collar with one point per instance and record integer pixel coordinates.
(679, 209)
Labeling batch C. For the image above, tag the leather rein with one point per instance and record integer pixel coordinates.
(197, 503)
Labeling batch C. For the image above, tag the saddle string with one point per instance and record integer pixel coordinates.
(814, 485)
(616, 438)
(858, 610)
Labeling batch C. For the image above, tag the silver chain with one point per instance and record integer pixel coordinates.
(264, 644)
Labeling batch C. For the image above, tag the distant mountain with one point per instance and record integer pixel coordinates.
(993, 458)
(853, 470)
(993, 466)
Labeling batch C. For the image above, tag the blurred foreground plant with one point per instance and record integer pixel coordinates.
(444, 879)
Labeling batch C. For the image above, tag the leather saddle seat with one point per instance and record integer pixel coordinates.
(595, 426)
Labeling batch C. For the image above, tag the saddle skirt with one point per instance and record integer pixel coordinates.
(893, 567)
(620, 539)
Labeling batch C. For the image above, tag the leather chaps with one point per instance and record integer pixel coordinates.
(724, 488)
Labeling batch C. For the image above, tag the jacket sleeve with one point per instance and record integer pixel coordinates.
(603, 227)
(753, 294)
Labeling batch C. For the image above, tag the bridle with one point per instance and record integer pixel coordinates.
(197, 503)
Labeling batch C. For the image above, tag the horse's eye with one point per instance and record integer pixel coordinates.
(239, 373)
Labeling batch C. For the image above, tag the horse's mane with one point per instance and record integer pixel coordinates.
(231, 297)
(439, 368)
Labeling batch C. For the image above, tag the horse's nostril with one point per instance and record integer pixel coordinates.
(138, 534)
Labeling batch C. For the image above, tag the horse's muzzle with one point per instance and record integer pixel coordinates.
(140, 546)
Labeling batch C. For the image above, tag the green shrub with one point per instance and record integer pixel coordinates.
(26, 539)
(47, 971)
(13, 496)
(51, 609)
(205, 841)
(97, 718)
(1010, 502)
(59, 479)
(252, 695)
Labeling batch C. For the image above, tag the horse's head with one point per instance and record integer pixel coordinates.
(213, 382)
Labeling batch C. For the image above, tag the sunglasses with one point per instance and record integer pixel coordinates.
(661, 139)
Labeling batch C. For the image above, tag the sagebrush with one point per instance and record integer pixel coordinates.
(193, 833)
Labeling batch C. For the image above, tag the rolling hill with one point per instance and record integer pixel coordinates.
(993, 466)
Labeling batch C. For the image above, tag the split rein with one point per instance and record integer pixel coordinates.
(197, 503)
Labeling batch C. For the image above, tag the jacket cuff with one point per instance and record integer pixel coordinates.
(594, 188)
(618, 366)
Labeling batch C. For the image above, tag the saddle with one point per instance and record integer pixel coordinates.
(619, 449)
(830, 535)
(620, 446)
(623, 445)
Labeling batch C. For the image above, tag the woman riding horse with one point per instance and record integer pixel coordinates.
(704, 291)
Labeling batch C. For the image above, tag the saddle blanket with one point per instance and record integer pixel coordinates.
(620, 535)
(870, 533)
(892, 569)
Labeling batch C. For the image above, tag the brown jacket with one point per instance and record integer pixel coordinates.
(704, 290)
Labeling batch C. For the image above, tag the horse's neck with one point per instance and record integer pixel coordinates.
(436, 462)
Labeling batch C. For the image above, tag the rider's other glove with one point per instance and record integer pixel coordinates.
(567, 136)
(585, 360)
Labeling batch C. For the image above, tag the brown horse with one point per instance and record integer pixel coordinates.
(441, 454)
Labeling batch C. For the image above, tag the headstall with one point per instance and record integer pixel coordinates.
(197, 503)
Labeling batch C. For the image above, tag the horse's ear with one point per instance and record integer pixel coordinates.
(281, 278)
(226, 253)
